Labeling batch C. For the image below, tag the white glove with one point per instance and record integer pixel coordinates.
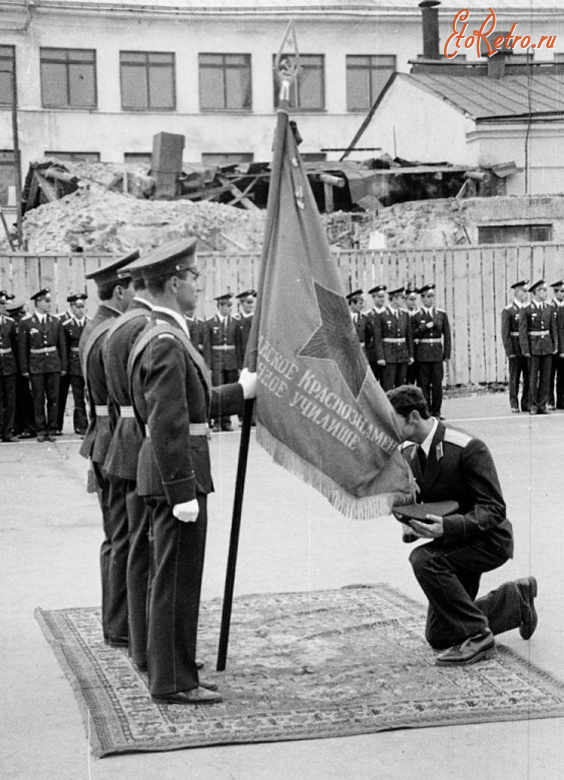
(248, 381)
(186, 512)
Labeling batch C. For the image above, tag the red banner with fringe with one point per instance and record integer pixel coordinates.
(320, 411)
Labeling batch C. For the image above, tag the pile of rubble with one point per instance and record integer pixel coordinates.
(98, 220)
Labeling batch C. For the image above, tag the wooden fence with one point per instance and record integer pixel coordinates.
(473, 285)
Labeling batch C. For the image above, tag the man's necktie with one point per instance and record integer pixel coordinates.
(422, 459)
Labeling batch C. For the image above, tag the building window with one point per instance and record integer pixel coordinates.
(366, 78)
(307, 93)
(68, 78)
(227, 158)
(77, 157)
(7, 68)
(514, 234)
(225, 82)
(7, 175)
(147, 80)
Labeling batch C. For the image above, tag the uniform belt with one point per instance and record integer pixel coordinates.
(430, 341)
(514, 333)
(224, 346)
(74, 349)
(101, 411)
(390, 340)
(196, 429)
(126, 411)
(43, 350)
(5, 351)
(539, 333)
(362, 343)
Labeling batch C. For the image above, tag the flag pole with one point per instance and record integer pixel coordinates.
(286, 70)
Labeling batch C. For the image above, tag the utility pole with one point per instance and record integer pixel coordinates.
(17, 158)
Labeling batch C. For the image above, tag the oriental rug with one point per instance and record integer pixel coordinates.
(300, 666)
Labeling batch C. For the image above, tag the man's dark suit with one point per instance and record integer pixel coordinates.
(114, 549)
(132, 516)
(538, 336)
(477, 539)
(518, 363)
(431, 329)
(393, 339)
(8, 374)
(171, 394)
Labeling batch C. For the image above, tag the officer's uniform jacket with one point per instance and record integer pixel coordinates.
(559, 309)
(42, 348)
(197, 330)
(98, 434)
(369, 334)
(8, 346)
(219, 343)
(171, 394)
(393, 337)
(242, 332)
(127, 437)
(73, 331)
(461, 468)
(510, 329)
(433, 344)
(538, 333)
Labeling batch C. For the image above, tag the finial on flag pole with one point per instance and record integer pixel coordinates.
(287, 62)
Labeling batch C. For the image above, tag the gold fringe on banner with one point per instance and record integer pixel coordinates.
(368, 508)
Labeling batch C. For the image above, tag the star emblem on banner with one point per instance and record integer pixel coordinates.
(336, 340)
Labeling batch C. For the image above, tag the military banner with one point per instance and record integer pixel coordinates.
(320, 411)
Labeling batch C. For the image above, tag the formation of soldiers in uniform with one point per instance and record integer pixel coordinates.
(533, 339)
(406, 338)
(39, 360)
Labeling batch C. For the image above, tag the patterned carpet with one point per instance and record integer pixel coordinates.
(300, 666)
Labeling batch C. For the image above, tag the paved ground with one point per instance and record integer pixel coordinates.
(291, 540)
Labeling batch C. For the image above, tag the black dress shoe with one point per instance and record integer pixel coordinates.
(26, 435)
(41, 437)
(468, 652)
(10, 438)
(194, 696)
(50, 437)
(528, 589)
(514, 410)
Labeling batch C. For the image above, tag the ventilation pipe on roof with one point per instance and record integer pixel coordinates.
(430, 20)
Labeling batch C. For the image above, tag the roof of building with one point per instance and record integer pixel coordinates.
(486, 98)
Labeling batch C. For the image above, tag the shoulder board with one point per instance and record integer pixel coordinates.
(26, 317)
(7, 316)
(459, 438)
(165, 336)
(440, 311)
(508, 307)
(405, 445)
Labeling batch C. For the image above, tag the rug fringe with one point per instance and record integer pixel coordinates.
(367, 508)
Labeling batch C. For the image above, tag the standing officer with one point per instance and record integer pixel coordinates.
(359, 320)
(219, 350)
(174, 474)
(378, 294)
(8, 372)
(412, 307)
(114, 294)
(43, 359)
(556, 393)
(518, 364)
(73, 325)
(247, 301)
(121, 461)
(538, 337)
(394, 341)
(24, 426)
(432, 330)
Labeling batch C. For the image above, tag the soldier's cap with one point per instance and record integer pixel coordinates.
(166, 260)
(225, 298)
(109, 273)
(15, 305)
(246, 294)
(409, 290)
(557, 285)
(522, 283)
(426, 288)
(40, 294)
(377, 289)
(355, 294)
(399, 291)
(76, 297)
(534, 286)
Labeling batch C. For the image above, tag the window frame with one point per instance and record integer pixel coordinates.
(370, 68)
(13, 84)
(295, 103)
(68, 62)
(224, 67)
(147, 65)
